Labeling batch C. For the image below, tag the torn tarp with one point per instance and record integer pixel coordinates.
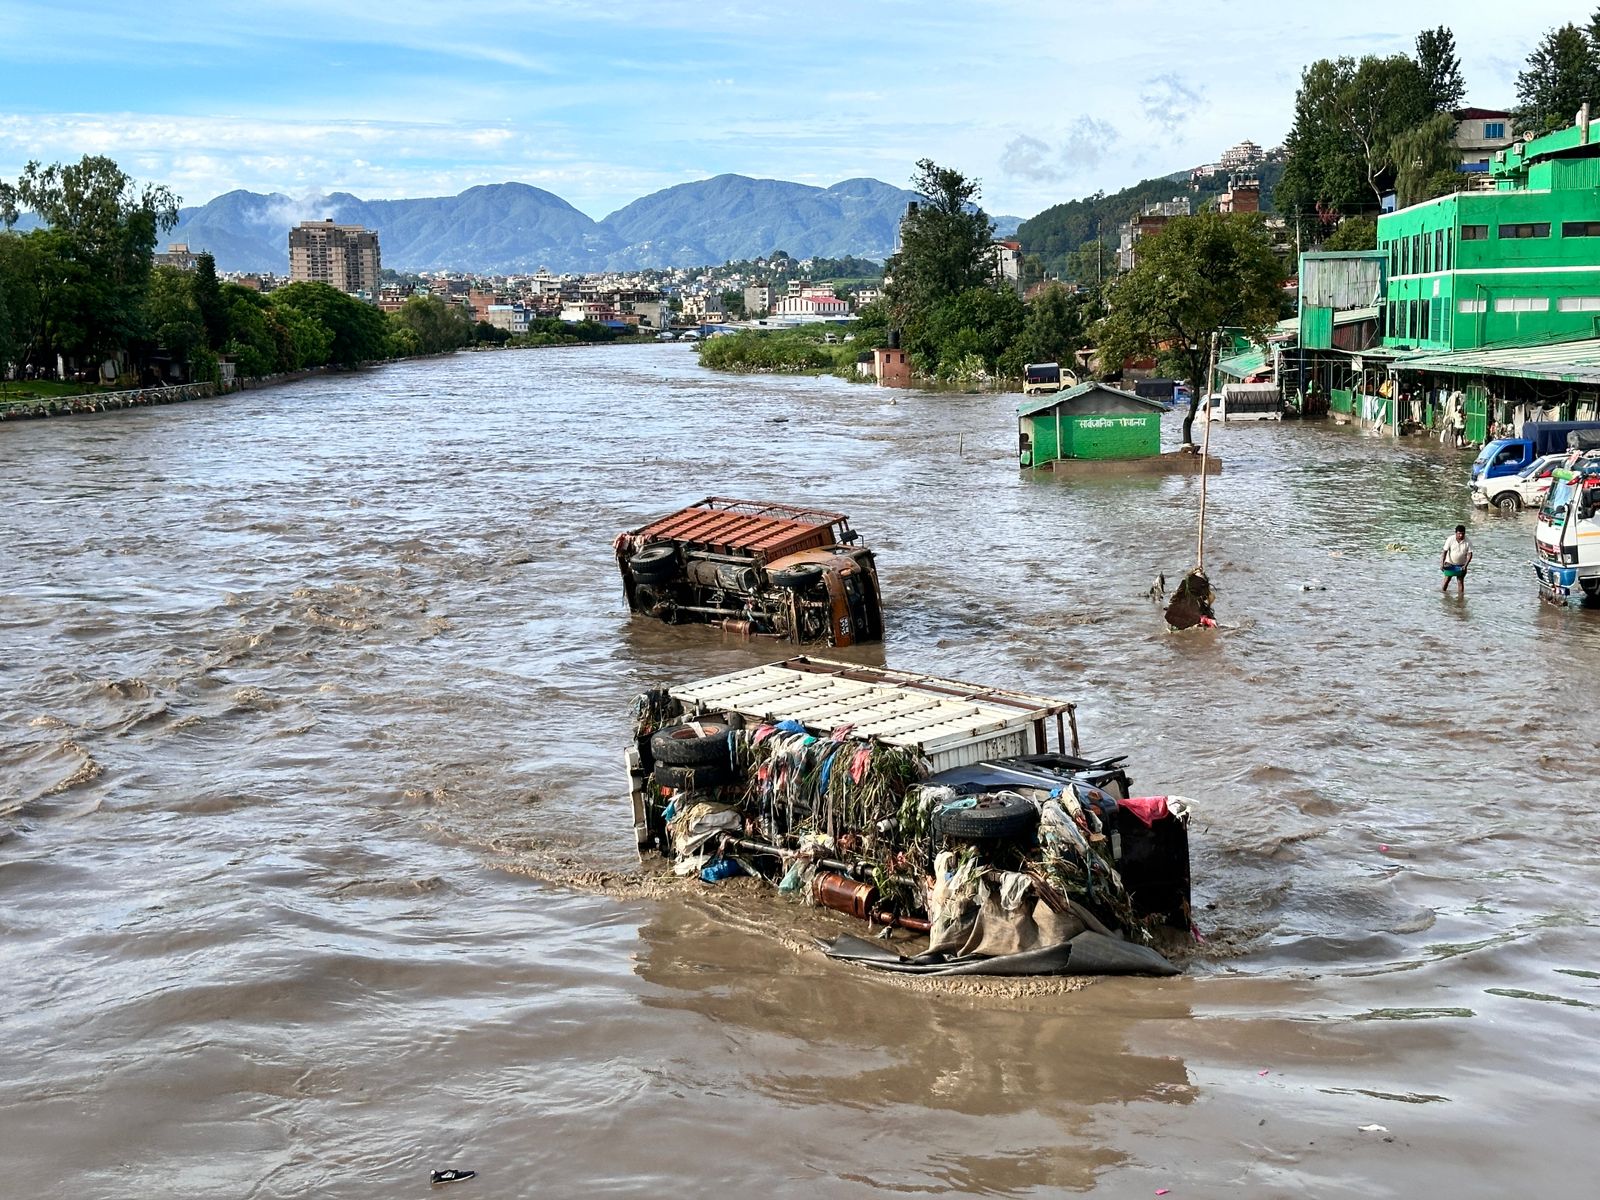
(1088, 953)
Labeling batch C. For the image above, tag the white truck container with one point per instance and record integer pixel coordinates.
(949, 722)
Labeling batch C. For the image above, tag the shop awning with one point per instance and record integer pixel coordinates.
(1242, 366)
(1564, 362)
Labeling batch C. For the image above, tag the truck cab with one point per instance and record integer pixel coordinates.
(1567, 537)
(1503, 456)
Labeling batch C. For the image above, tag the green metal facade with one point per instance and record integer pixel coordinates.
(1113, 436)
(1518, 265)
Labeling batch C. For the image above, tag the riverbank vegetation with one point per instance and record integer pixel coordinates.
(81, 288)
(959, 321)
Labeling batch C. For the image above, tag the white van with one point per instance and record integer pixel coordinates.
(1245, 402)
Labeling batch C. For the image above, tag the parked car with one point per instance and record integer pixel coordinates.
(1507, 456)
(757, 568)
(1513, 493)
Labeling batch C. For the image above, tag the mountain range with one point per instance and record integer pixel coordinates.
(513, 227)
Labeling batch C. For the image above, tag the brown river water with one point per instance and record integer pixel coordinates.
(314, 843)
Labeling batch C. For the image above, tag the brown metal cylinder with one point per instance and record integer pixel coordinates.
(845, 895)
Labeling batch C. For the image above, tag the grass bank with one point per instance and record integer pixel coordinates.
(802, 351)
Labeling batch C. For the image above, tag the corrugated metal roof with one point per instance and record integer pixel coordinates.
(1244, 364)
(756, 526)
(924, 712)
(1028, 407)
(1567, 362)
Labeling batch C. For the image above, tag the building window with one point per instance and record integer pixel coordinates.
(1474, 233)
(1526, 230)
(1580, 229)
(1472, 306)
(1438, 250)
(1422, 319)
(1521, 304)
(1493, 129)
(1578, 304)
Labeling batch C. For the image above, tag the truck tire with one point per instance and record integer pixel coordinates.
(685, 746)
(1508, 502)
(692, 779)
(798, 577)
(995, 817)
(654, 564)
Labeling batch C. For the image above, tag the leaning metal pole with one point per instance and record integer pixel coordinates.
(1205, 450)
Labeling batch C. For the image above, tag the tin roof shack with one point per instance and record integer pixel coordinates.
(1091, 421)
(912, 801)
(754, 567)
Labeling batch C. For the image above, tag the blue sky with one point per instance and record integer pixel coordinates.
(604, 103)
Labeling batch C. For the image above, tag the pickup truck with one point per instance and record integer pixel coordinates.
(755, 568)
(1507, 456)
(1525, 489)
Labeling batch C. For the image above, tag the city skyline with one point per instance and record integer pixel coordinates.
(601, 107)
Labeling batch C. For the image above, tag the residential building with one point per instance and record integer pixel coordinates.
(703, 308)
(757, 301)
(1150, 219)
(1479, 133)
(343, 256)
(177, 255)
(814, 301)
(513, 318)
(1007, 257)
(1246, 156)
(1243, 195)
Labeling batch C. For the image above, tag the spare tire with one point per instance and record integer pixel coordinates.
(692, 744)
(692, 779)
(798, 577)
(988, 816)
(654, 564)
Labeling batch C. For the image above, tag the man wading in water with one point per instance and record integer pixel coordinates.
(1453, 562)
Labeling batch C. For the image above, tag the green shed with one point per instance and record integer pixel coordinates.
(1088, 421)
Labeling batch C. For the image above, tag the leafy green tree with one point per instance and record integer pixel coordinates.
(1320, 167)
(1381, 98)
(358, 331)
(944, 245)
(435, 325)
(208, 296)
(257, 340)
(733, 304)
(1195, 276)
(1440, 67)
(19, 295)
(1426, 161)
(94, 252)
(1053, 330)
(1354, 233)
(981, 321)
(173, 317)
(492, 335)
(1562, 74)
(8, 339)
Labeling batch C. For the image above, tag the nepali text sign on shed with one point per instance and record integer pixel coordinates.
(1091, 420)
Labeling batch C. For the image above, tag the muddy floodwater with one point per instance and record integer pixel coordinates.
(314, 843)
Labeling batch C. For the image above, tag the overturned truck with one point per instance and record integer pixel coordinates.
(923, 805)
(756, 568)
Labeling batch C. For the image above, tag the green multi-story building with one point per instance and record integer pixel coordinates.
(1519, 265)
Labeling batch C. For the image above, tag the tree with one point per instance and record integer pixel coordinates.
(174, 320)
(208, 298)
(435, 325)
(95, 250)
(1380, 98)
(359, 332)
(944, 245)
(1195, 276)
(733, 304)
(1440, 68)
(1320, 166)
(980, 323)
(1562, 74)
(8, 340)
(1426, 160)
(1053, 330)
(1353, 233)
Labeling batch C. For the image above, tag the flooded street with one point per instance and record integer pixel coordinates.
(312, 707)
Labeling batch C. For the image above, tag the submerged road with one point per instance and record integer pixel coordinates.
(312, 702)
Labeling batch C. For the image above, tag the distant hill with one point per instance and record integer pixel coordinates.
(1056, 233)
(513, 227)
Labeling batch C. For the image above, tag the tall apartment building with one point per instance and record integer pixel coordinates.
(344, 256)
